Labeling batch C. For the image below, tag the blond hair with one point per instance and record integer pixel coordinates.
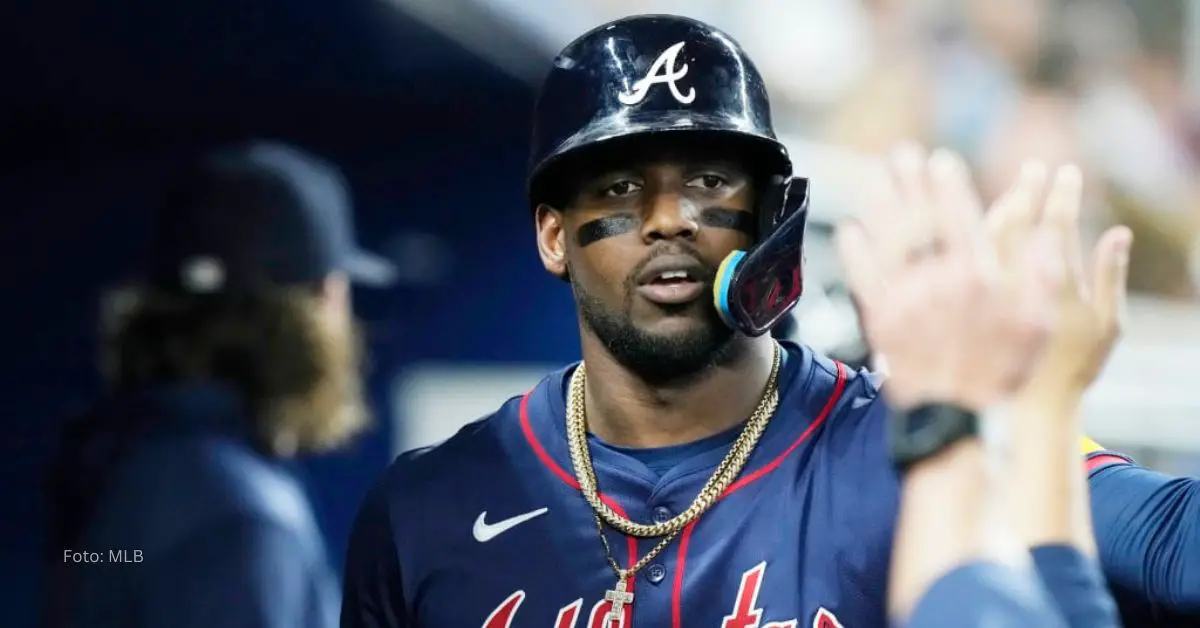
(299, 376)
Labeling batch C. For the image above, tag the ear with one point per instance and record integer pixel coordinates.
(552, 239)
(333, 294)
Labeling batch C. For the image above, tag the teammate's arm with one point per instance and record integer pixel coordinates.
(1148, 534)
(948, 520)
(1047, 485)
(958, 332)
(243, 574)
(985, 594)
(1049, 501)
(372, 596)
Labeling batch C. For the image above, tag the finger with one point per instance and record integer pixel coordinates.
(1062, 215)
(861, 267)
(885, 223)
(1013, 216)
(1000, 222)
(1110, 272)
(1038, 272)
(957, 212)
(912, 182)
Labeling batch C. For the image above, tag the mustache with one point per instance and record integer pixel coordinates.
(709, 271)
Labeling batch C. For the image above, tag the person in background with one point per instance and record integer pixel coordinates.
(238, 353)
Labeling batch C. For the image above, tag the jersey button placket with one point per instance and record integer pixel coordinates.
(656, 573)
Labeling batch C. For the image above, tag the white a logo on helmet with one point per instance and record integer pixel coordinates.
(663, 70)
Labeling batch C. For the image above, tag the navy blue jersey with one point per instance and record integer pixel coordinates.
(1148, 533)
(489, 529)
(186, 523)
(1076, 586)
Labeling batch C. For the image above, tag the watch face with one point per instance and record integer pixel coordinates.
(925, 430)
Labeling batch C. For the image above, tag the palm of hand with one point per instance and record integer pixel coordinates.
(953, 325)
(1092, 302)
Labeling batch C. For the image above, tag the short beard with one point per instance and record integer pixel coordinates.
(657, 359)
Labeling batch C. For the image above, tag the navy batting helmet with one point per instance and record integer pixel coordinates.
(667, 76)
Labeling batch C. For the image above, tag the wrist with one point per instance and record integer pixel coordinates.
(1050, 394)
(1052, 383)
(1047, 415)
(924, 432)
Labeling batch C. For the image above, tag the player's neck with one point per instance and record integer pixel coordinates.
(624, 410)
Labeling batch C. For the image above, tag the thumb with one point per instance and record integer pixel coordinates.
(1110, 269)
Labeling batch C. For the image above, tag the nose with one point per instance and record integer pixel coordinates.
(668, 217)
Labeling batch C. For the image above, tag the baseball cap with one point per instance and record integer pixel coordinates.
(256, 215)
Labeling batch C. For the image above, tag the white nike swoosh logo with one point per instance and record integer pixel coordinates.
(485, 531)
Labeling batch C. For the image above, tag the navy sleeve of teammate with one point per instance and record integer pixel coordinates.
(1148, 533)
(371, 595)
(986, 594)
(1076, 586)
(243, 574)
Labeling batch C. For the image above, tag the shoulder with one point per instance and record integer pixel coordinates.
(477, 458)
(267, 570)
(851, 413)
(423, 470)
(172, 491)
(244, 538)
(847, 397)
(410, 504)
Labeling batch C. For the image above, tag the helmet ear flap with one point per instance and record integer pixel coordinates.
(782, 197)
(755, 289)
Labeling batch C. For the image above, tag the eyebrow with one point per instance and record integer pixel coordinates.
(730, 167)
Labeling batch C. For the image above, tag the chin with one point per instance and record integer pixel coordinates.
(686, 320)
(686, 329)
(677, 333)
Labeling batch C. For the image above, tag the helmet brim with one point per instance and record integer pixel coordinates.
(769, 155)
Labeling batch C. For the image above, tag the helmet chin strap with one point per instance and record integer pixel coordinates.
(755, 289)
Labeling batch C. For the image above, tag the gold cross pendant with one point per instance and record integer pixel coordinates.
(618, 596)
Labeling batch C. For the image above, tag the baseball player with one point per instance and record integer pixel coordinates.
(174, 504)
(690, 471)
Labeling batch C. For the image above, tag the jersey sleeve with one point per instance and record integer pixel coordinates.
(986, 594)
(372, 596)
(1147, 528)
(1076, 587)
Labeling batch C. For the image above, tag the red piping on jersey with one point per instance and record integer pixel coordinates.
(685, 538)
(1103, 460)
(540, 452)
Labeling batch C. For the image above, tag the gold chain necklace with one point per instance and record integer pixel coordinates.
(721, 479)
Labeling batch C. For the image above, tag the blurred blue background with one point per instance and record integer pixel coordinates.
(100, 100)
(425, 106)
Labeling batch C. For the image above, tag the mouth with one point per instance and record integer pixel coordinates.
(672, 280)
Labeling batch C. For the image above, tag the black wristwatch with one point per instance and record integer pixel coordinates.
(925, 430)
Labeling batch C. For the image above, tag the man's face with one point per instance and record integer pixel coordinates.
(641, 246)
